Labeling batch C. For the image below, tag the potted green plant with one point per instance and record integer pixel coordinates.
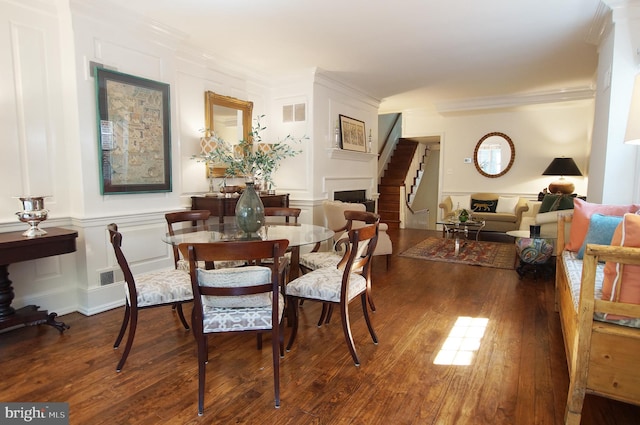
(463, 216)
(252, 159)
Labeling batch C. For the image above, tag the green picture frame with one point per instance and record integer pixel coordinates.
(134, 133)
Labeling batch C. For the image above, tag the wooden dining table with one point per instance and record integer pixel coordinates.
(298, 235)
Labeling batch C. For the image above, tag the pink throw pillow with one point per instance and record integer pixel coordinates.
(582, 212)
(622, 281)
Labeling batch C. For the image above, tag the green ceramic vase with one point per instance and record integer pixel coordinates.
(250, 210)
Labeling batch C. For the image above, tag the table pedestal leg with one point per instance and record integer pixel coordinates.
(29, 315)
(294, 270)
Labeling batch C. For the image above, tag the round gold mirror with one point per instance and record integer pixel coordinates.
(494, 155)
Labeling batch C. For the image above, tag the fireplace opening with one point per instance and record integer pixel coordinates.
(355, 196)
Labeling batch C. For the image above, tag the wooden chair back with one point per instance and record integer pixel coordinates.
(253, 252)
(355, 220)
(362, 243)
(285, 212)
(115, 238)
(196, 217)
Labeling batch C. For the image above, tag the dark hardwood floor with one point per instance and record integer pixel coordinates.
(518, 375)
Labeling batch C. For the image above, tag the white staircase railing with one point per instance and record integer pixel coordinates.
(416, 171)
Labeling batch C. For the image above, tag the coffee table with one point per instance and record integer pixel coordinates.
(459, 231)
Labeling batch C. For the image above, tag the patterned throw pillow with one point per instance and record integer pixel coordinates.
(601, 229)
(484, 206)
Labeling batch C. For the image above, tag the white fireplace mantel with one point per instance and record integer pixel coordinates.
(335, 153)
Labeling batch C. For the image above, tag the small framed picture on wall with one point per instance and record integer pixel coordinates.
(352, 133)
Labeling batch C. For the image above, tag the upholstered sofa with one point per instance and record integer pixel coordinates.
(500, 213)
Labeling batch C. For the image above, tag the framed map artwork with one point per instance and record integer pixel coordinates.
(133, 133)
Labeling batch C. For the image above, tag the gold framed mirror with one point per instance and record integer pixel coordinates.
(494, 155)
(228, 117)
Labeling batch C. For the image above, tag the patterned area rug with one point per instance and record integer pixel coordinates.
(485, 254)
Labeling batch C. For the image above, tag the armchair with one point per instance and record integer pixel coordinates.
(336, 221)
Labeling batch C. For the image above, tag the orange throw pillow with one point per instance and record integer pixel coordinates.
(622, 281)
(582, 212)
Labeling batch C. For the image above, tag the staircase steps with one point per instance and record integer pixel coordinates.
(418, 178)
(392, 181)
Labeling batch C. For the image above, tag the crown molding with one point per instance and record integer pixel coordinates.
(599, 24)
(331, 80)
(623, 9)
(515, 100)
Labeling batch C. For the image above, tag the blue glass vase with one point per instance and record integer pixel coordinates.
(250, 210)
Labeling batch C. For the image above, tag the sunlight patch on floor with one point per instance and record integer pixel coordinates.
(463, 341)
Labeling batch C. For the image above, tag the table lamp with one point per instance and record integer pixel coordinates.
(562, 167)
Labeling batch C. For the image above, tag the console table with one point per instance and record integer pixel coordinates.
(15, 248)
(222, 207)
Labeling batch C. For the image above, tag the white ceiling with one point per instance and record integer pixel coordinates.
(407, 53)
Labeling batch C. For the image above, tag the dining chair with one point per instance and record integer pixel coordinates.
(285, 212)
(320, 259)
(239, 299)
(153, 289)
(197, 217)
(339, 285)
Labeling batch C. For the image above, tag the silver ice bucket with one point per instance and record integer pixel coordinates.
(33, 213)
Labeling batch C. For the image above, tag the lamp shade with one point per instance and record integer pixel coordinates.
(632, 136)
(562, 167)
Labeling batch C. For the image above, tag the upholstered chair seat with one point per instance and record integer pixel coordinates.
(320, 259)
(231, 319)
(242, 312)
(324, 284)
(162, 287)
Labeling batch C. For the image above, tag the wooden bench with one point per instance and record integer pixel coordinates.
(602, 357)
